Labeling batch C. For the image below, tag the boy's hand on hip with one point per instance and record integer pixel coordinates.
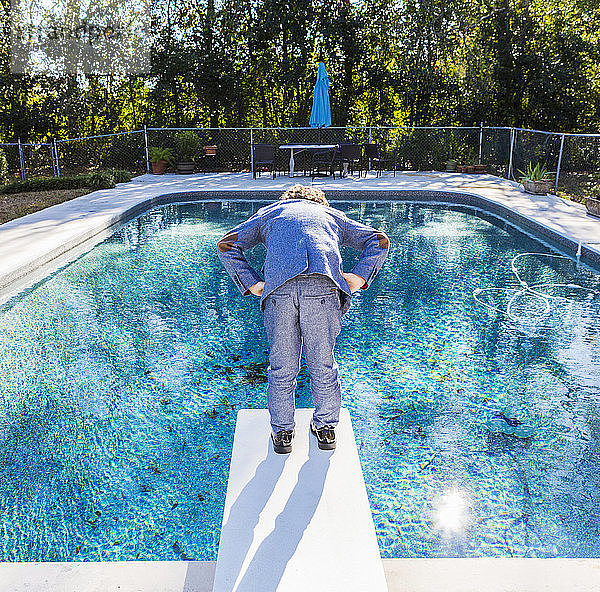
(257, 289)
(354, 281)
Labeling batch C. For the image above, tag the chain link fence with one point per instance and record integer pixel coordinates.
(124, 150)
(11, 152)
(573, 160)
(579, 174)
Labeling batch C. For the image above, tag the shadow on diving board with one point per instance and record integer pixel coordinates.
(296, 522)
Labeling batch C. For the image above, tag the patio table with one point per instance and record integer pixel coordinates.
(300, 147)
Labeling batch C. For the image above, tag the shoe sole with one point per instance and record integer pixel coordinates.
(322, 445)
(282, 449)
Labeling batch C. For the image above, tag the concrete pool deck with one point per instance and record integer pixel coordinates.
(33, 246)
(402, 575)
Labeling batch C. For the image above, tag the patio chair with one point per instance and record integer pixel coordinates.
(352, 154)
(374, 154)
(263, 155)
(323, 159)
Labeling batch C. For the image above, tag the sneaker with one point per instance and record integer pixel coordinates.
(282, 441)
(325, 436)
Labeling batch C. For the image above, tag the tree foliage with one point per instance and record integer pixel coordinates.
(528, 63)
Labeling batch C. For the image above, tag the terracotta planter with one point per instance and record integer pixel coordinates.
(159, 167)
(469, 169)
(460, 169)
(537, 187)
(480, 168)
(210, 150)
(593, 206)
(185, 167)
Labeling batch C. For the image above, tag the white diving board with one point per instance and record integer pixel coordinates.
(296, 522)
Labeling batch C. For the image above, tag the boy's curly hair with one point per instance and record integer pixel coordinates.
(303, 192)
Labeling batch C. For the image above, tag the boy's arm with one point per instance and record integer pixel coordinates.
(230, 250)
(374, 245)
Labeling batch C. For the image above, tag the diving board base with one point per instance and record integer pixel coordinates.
(298, 521)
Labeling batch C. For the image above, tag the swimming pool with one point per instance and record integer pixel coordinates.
(120, 376)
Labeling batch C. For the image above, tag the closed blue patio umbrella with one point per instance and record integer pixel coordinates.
(320, 116)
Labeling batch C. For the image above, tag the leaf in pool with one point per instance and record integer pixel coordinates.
(200, 497)
(255, 372)
(398, 413)
(419, 432)
(165, 401)
(211, 414)
(174, 505)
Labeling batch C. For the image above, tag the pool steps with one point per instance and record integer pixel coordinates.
(296, 522)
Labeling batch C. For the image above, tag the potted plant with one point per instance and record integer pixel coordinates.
(537, 179)
(471, 160)
(210, 150)
(451, 166)
(159, 158)
(188, 145)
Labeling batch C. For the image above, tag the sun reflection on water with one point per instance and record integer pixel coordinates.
(452, 512)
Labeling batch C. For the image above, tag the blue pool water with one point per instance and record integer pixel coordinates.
(121, 374)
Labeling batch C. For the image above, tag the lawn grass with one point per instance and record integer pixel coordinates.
(15, 205)
(18, 198)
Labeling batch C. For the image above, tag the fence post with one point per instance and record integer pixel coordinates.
(21, 161)
(480, 141)
(52, 164)
(56, 157)
(510, 160)
(251, 150)
(562, 144)
(146, 144)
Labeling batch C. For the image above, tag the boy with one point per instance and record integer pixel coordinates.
(304, 295)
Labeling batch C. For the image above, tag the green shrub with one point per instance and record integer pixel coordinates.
(46, 184)
(188, 145)
(98, 180)
(121, 175)
(101, 180)
(3, 168)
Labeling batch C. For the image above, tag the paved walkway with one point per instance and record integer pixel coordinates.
(36, 244)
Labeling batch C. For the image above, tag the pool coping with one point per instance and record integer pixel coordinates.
(34, 246)
(402, 575)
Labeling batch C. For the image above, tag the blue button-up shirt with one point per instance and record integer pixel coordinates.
(301, 236)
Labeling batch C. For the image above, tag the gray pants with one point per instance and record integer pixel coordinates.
(304, 312)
